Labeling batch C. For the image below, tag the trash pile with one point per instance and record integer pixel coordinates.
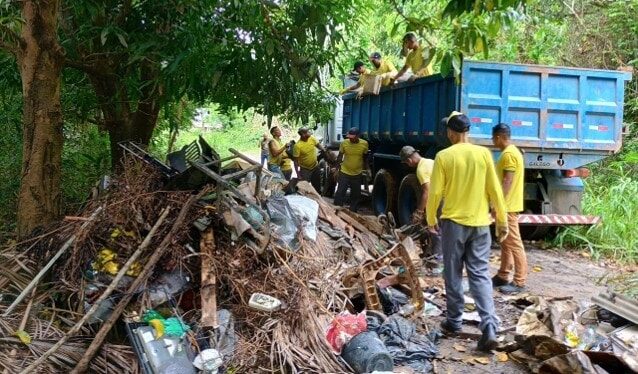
(213, 265)
(559, 335)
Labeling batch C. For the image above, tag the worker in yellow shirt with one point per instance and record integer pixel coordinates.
(352, 155)
(361, 70)
(464, 178)
(383, 68)
(510, 170)
(304, 154)
(415, 60)
(411, 158)
(277, 155)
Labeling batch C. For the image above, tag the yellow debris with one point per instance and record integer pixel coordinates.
(24, 337)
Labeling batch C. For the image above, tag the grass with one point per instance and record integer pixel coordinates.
(611, 193)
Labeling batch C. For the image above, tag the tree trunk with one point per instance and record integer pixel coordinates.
(40, 59)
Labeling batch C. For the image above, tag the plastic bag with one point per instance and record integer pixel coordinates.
(307, 211)
(343, 327)
(283, 222)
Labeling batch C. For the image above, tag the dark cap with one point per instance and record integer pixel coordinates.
(457, 122)
(376, 55)
(357, 65)
(354, 131)
(406, 152)
(303, 130)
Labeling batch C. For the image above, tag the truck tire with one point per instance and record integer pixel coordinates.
(409, 193)
(383, 193)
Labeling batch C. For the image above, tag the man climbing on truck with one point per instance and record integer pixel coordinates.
(413, 159)
(352, 154)
(415, 60)
(359, 68)
(464, 177)
(305, 156)
(510, 170)
(383, 68)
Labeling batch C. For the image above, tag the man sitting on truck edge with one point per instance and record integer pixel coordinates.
(352, 152)
(414, 60)
(305, 156)
(359, 68)
(464, 176)
(383, 68)
(413, 159)
(277, 155)
(510, 170)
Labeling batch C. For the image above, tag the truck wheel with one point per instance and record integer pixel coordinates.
(328, 180)
(383, 192)
(409, 193)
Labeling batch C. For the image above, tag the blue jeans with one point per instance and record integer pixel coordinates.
(276, 169)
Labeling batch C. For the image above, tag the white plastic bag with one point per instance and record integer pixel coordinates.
(307, 211)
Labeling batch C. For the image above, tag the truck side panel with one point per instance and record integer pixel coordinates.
(549, 109)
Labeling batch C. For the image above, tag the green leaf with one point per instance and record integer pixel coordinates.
(120, 37)
(103, 35)
(456, 64)
(446, 64)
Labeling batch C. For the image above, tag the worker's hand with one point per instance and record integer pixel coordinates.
(501, 232)
(343, 92)
(434, 229)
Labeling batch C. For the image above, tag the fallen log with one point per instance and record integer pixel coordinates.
(208, 282)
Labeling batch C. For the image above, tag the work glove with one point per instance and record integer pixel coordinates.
(501, 232)
(417, 217)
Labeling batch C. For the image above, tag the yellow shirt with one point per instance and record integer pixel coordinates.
(424, 170)
(385, 67)
(512, 160)
(465, 178)
(282, 159)
(306, 153)
(362, 76)
(353, 156)
(416, 62)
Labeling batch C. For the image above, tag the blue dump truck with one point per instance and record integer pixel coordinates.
(561, 118)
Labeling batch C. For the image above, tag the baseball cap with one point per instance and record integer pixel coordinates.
(457, 121)
(357, 65)
(354, 131)
(406, 152)
(375, 55)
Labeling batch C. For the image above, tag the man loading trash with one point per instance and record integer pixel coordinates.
(464, 177)
(415, 61)
(413, 159)
(510, 170)
(305, 156)
(383, 68)
(352, 153)
(361, 70)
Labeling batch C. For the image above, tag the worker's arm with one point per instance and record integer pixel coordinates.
(495, 192)
(351, 88)
(435, 192)
(403, 70)
(425, 189)
(272, 146)
(508, 178)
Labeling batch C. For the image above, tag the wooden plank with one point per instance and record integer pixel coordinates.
(208, 290)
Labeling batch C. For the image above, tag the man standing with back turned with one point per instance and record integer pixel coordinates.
(510, 170)
(352, 157)
(464, 177)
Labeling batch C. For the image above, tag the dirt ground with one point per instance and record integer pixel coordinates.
(552, 274)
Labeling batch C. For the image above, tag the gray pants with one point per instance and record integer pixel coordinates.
(311, 175)
(469, 246)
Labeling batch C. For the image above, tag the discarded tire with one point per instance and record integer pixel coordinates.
(366, 353)
(409, 194)
(383, 192)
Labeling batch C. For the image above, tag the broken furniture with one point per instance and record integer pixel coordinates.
(368, 273)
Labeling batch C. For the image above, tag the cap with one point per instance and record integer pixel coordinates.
(354, 131)
(376, 55)
(302, 130)
(357, 65)
(457, 121)
(406, 152)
